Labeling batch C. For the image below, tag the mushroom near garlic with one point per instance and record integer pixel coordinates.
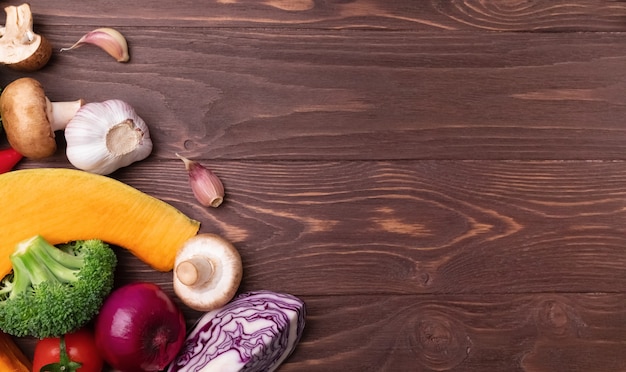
(20, 48)
(30, 119)
(207, 272)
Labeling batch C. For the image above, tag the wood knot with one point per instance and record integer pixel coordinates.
(440, 343)
(425, 279)
(558, 319)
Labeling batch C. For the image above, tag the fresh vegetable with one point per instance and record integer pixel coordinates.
(105, 136)
(139, 328)
(101, 136)
(73, 352)
(20, 48)
(206, 186)
(207, 272)
(67, 204)
(12, 359)
(30, 119)
(55, 290)
(108, 39)
(8, 159)
(255, 332)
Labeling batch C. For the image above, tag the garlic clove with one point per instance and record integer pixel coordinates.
(205, 185)
(108, 39)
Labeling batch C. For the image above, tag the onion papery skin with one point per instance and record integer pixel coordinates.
(255, 332)
(139, 328)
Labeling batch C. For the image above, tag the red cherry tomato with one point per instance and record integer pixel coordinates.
(80, 347)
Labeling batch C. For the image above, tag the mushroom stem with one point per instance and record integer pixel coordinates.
(60, 113)
(18, 20)
(195, 271)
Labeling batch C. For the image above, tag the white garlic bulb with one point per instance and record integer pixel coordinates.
(105, 136)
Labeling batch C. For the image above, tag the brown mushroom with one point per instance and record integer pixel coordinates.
(207, 272)
(20, 48)
(30, 119)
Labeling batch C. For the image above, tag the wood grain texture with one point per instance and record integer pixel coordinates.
(346, 228)
(537, 333)
(409, 251)
(544, 332)
(274, 94)
(441, 181)
(429, 15)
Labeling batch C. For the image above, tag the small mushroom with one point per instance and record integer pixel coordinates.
(207, 272)
(20, 48)
(30, 119)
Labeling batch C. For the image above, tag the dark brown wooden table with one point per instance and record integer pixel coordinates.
(443, 182)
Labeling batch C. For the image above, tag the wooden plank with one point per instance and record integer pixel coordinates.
(303, 95)
(491, 15)
(442, 196)
(433, 265)
(337, 228)
(539, 332)
(413, 227)
(543, 332)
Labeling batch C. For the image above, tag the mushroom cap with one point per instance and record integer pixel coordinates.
(218, 283)
(20, 48)
(23, 111)
(33, 58)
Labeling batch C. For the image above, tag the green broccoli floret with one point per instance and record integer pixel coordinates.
(55, 290)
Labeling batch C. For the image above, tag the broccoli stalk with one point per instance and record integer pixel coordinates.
(55, 290)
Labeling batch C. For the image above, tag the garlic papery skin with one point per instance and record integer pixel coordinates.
(105, 136)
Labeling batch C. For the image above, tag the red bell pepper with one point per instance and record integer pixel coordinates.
(8, 159)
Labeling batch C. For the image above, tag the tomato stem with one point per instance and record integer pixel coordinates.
(65, 364)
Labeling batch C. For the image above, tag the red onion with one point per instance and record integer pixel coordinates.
(139, 328)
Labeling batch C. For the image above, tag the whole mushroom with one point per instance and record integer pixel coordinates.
(20, 48)
(207, 272)
(30, 119)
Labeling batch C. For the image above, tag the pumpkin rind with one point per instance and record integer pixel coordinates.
(64, 205)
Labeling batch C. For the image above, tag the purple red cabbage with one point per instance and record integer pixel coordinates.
(255, 332)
